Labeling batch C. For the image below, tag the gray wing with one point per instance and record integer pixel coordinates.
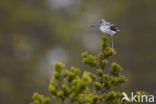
(114, 28)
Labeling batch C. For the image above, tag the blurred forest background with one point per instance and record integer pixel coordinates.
(36, 33)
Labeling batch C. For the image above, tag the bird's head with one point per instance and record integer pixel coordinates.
(101, 21)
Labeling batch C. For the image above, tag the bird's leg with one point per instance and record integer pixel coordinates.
(113, 48)
(112, 42)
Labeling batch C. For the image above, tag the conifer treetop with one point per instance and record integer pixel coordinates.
(69, 87)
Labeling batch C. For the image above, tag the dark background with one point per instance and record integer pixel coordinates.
(36, 33)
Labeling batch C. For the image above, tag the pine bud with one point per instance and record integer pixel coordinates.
(115, 69)
(52, 89)
(89, 59)
(97, 86)
(59, 67)
(99, 72)
(66, 89)
(104, 63)
(60, 94)
(57, 75)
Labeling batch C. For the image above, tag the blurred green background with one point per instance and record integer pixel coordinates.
(36, 33)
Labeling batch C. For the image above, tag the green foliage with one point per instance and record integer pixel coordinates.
(89, 59)
(59, 67)
(97, 86)
(99, 72)
(112, 97)
(40, 99)
(71, 88)
(116, 69)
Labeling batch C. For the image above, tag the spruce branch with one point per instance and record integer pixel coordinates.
(71, 88)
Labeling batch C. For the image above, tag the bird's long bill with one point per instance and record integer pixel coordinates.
(95, 25)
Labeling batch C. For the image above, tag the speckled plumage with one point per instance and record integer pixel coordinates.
(107, 27)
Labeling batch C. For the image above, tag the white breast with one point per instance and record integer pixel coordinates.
(106, 30)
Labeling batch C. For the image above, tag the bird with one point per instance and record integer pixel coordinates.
(107, 28)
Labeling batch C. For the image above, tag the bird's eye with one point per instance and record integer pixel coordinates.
(100, 21)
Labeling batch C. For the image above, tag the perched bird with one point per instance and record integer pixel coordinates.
(107, 28)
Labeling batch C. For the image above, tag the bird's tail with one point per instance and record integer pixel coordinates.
(118, 30)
